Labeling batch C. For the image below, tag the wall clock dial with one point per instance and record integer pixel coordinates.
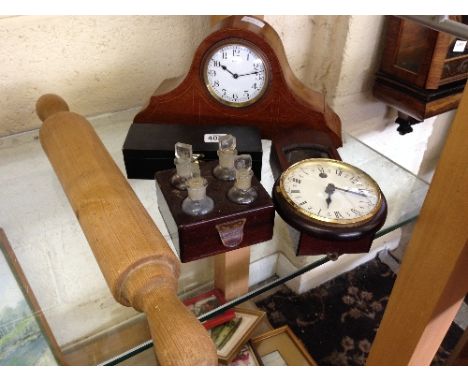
(337, 207)
(236, 74)
(330, 192)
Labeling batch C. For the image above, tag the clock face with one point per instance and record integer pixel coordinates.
(236, 74)
(330, 191)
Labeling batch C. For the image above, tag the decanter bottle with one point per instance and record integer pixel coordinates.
(226, 154)
(197, 203)
(242, 192)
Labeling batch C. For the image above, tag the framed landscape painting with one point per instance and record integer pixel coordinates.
(25, 336)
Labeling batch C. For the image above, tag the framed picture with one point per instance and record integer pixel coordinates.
(25, 336)
(206, 302)
(246, 357)
(281, 347)
(232, 335)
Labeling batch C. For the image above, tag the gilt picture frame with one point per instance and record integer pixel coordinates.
(281, 347)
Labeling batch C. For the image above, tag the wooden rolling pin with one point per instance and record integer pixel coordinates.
(138, 265)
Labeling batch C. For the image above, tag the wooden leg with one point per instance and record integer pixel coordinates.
(232, 272)
(432, 280)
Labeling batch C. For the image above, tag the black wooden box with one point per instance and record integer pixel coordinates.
(150, 147)
(198, 237)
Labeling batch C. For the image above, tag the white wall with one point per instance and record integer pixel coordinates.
(97, 63)
(371, 120)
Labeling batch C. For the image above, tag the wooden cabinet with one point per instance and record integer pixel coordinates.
(422, 72)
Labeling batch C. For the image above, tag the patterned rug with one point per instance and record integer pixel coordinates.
(338, 321)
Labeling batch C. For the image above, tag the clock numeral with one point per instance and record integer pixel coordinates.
(355, 211)
(254, 86)
(236, 52)
(338, 215)
(302, 203)
(246, 94)
(295, 191)
(224, 55)
(354, 180)
(257, 65)
(212, 73)
(339, 172)
(216, 84)
(322, 172)
(224, 92)
(216, 63)
(295, 180)
(235, 97)
(260, 76)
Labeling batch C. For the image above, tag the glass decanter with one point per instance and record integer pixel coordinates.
(242, 192)
(226, 154)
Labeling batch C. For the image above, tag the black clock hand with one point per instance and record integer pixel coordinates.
(227, 70)
(352, 192)
(249, 74)
(330, 189)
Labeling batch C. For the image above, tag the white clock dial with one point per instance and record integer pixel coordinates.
(331, 191)
(236, 74)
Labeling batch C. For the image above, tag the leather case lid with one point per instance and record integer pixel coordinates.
(158, 140)
(150, 147)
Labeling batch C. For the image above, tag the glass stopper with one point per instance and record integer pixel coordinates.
(183, 151)
(226, 153)
(227, 142)
(183, 164)
(243, 162)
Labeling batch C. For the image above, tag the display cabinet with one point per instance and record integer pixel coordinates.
(86, 323)
(422, 71)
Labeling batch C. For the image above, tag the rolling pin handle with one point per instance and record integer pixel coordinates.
(49, 104)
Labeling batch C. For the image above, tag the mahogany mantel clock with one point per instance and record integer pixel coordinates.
(240, 76)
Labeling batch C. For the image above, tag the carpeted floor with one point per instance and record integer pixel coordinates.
(337, 321)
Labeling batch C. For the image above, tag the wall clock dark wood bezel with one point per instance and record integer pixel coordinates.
(309, 236)
(318, 232)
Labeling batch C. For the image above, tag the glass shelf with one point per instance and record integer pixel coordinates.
(88, 325)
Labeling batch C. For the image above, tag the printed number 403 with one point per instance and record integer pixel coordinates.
(212, 138)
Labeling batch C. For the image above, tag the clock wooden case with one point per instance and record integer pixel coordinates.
(284, 103)
(308, 236)
(422, 73)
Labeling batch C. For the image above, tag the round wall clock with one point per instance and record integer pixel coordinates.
(330, 201)
(236, 73)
